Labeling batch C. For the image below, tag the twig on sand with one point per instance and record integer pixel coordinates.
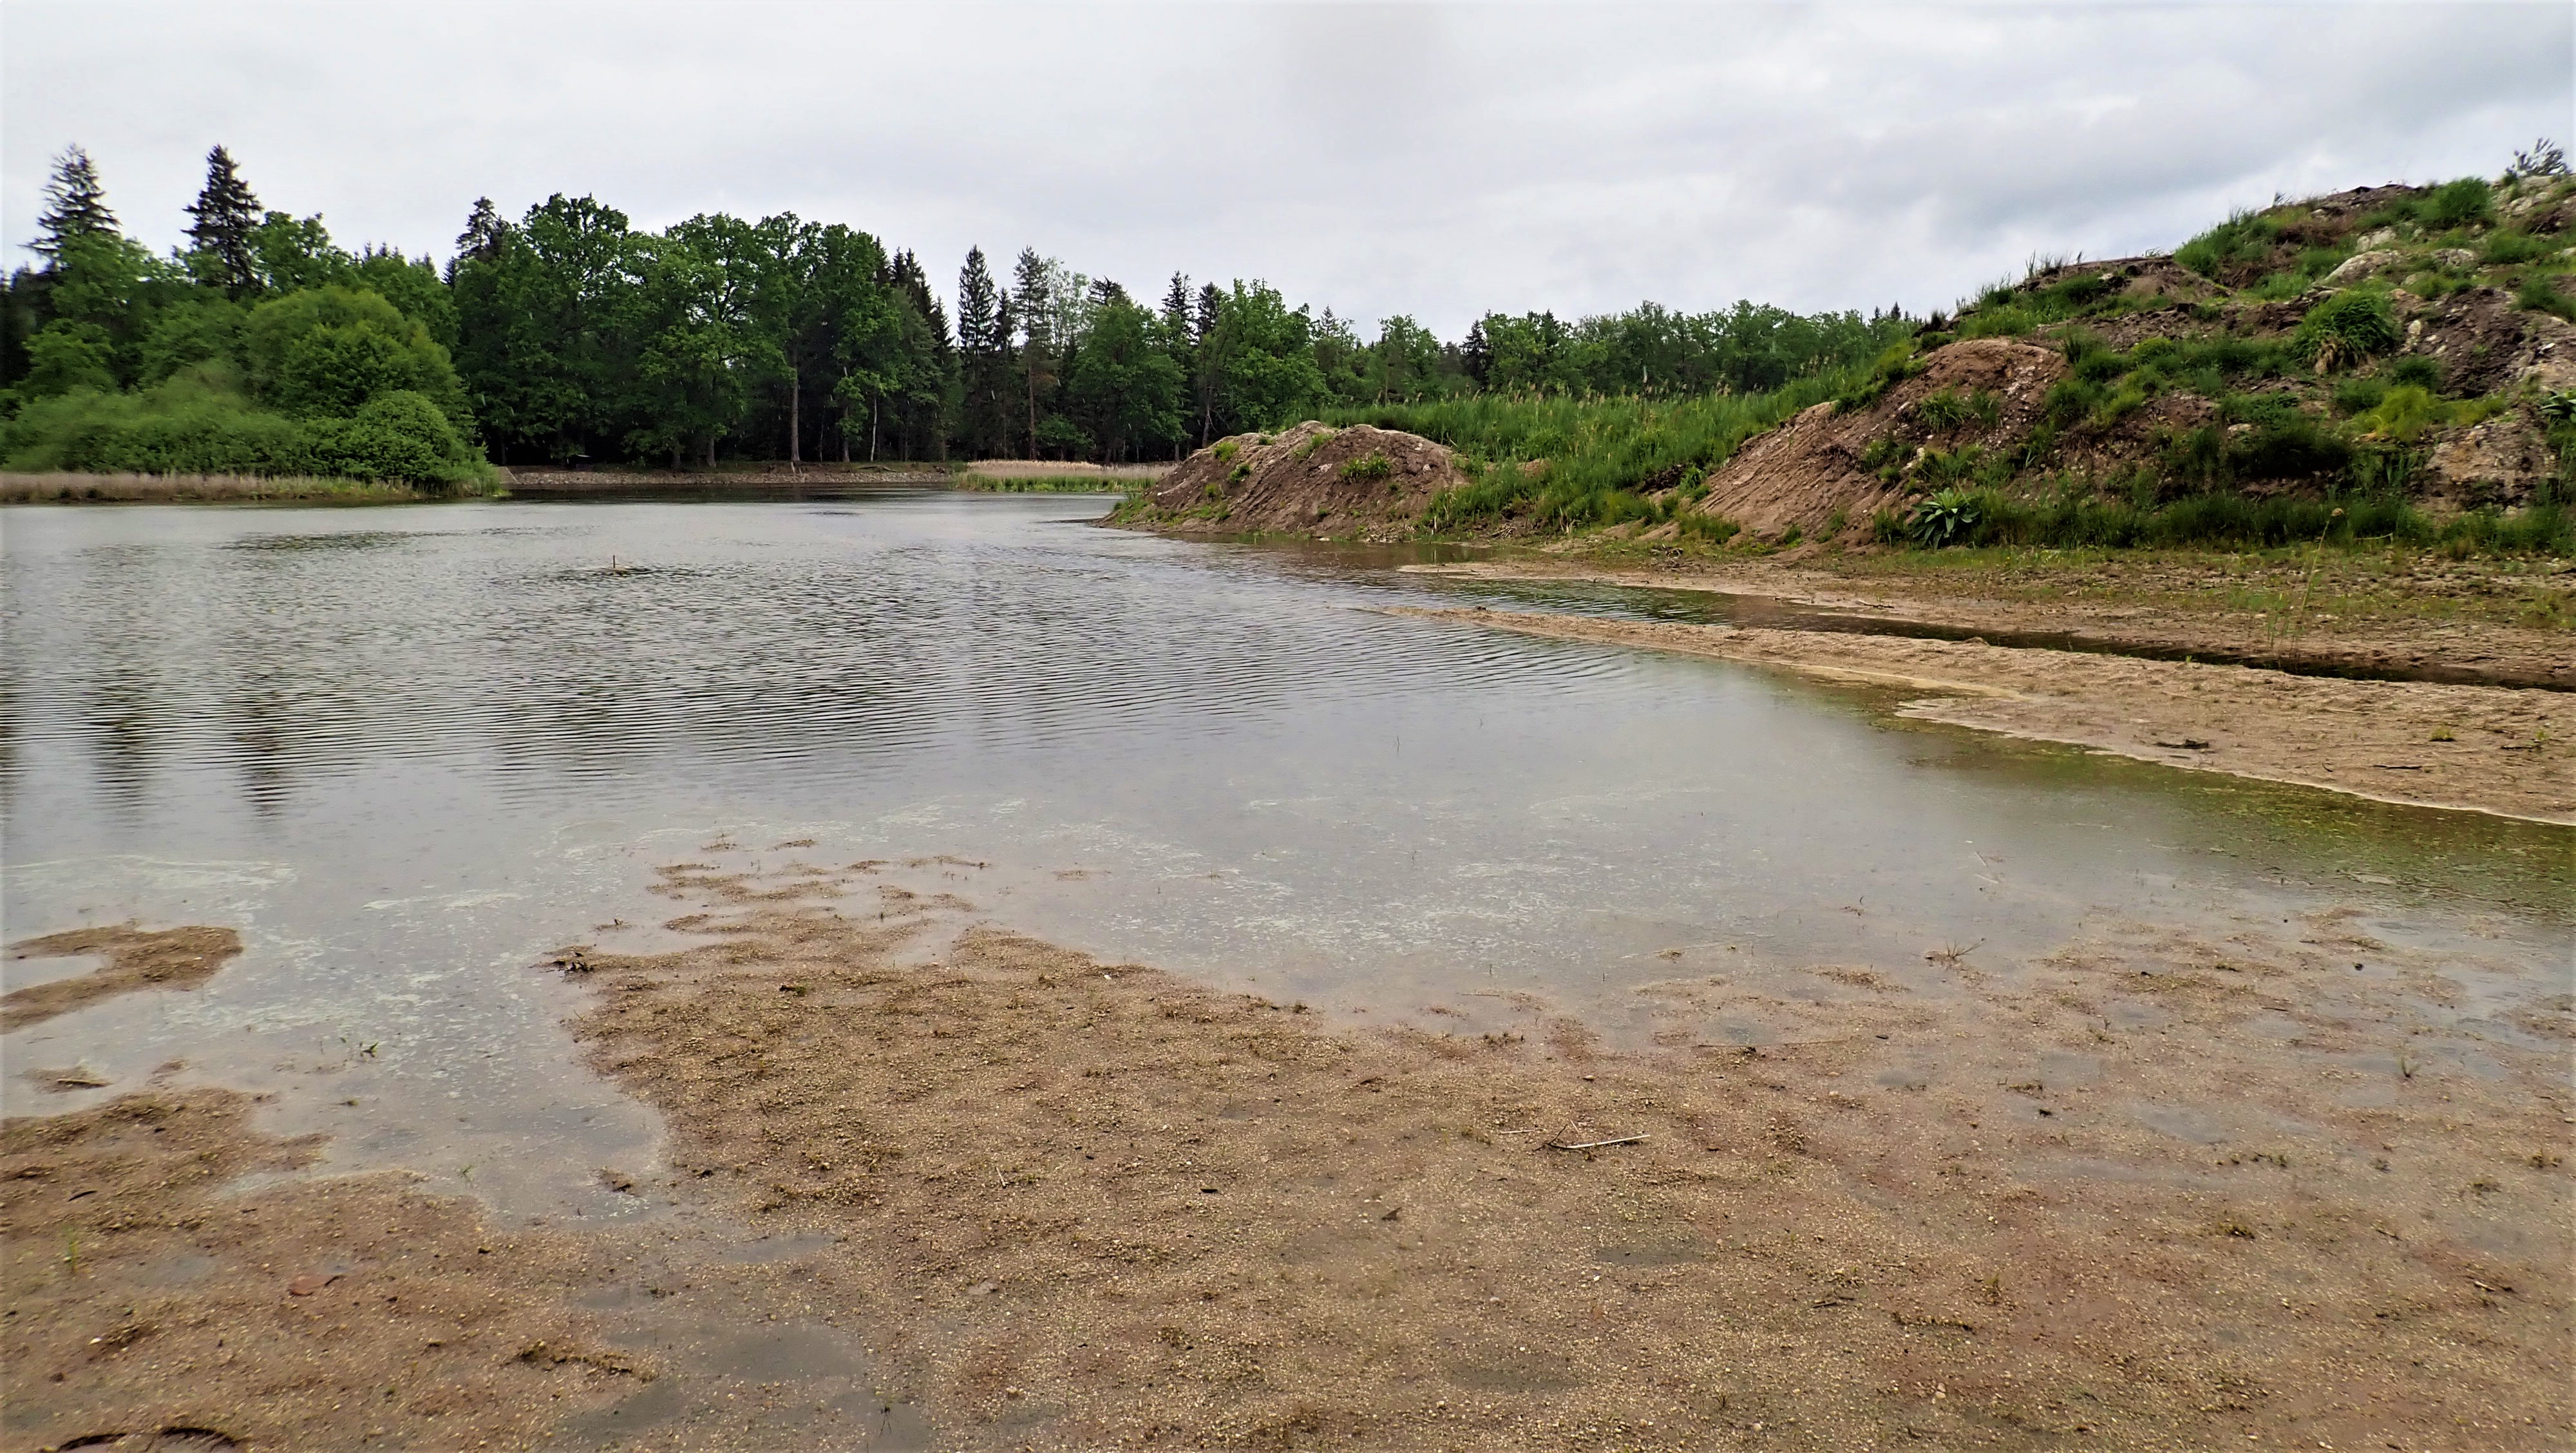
(1595, 1144)
(1951, 956)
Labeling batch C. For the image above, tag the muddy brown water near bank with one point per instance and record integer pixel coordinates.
(2209, 1185)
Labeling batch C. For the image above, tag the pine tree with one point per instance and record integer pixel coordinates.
(75, 205)
(1035, 277)
(226, 214)
(1176, 312)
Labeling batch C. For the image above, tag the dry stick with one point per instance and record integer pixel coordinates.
(1595, 1144)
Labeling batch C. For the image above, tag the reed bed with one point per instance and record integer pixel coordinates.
(1057, 476)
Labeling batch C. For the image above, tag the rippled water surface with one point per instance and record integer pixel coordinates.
(409, 748)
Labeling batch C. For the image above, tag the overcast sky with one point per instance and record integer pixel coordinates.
(1440, 161)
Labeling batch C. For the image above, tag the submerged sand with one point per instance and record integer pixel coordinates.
(2159, 1189)
(2506, 751)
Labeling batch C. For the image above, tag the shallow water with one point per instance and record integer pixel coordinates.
(409, 749)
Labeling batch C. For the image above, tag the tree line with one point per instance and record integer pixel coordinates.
(568, 334)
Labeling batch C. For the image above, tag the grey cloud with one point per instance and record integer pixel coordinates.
(1372, 158)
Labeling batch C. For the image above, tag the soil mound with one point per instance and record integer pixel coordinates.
(1313, 479)
(1834, 462)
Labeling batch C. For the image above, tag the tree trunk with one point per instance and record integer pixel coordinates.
(873, 400)
(795, 417)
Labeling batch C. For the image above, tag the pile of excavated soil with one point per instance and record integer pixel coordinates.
(1362, 482)
(1809, 471)
(2480, 748)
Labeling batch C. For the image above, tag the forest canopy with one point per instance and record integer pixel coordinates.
(263, 346)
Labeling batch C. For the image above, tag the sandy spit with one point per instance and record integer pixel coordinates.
(2504, 751)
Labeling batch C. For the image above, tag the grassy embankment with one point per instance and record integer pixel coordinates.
(1563, 464)
(2315, 422)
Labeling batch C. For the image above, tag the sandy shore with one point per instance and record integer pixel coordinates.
(2480, 621)
(2506, 751)
(2156, 1189)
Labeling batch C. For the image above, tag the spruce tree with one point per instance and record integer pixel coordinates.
(226, 214)
(75, 205)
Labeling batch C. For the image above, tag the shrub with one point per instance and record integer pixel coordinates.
(1373, 465)
(2345, 328)
(2456, 204)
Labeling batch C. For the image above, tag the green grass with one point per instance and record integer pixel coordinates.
(1559, 462)
(1049, 484)
(2080, 520)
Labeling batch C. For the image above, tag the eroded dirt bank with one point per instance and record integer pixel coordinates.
(2160, 1189)
(2478, 621)
(2479, 748)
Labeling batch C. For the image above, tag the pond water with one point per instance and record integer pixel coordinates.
(409, 749)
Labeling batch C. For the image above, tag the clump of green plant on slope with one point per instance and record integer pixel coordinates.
(1373, 465)
(2350, 326)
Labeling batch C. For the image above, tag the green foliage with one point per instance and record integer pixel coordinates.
(1941, 410)
(2075, 519)
(1895, 364)
(201, 328)
(2232, 249)
(65, 356)
(329, 350)
(2540, 293)
(1950, 517)
(2004, 320)
(194, 424)
(2456, 204)
(1373, 465)
(2346, 328)
(1558, 462)
(2511, 249)
(2403, 414)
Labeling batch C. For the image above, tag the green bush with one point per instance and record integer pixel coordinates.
(327, 351)
(1373, 465)
(191, 425)
(2231, 248)
(2346, 328)
(2456, 204)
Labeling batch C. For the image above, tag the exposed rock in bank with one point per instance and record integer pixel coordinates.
(1362, 482)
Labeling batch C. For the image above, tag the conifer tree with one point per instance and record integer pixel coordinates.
(75, 205)
(226, 214)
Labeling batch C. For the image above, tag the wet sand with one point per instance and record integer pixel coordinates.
(2506, 751)
(2159, 1189)
(2481, 621)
